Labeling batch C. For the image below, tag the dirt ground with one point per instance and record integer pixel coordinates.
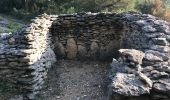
(70, 80)
(76, 80)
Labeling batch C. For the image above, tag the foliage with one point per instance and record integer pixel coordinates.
(25, 9)
(12, 25)
(158, 8)
(64, 6)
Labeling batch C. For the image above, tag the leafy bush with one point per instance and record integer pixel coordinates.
(27, 9)
(11, 25)
(14, 26)
(154, 7)
(63, 6)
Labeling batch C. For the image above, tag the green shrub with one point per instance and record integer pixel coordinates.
(14, 26)
(155, 7)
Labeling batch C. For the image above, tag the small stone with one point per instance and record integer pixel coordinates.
(163, 68)
(148, 28)
(147, 69)
(163, 49)
(141, 22)
(160, 22)
(162, 86)
(145, 79)
(58, 97)
(154, 72)
(154, 35)
(167, 37)
(155, 56)
(130, 17)
(160, 41)
(163, 28)
(159, 75)
(11, 41)
(152, 58)
(167, 31)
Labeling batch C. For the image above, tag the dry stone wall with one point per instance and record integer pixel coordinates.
(142, 67)
(94, 36)
(98, 36)
(143, 73)
(26, 56)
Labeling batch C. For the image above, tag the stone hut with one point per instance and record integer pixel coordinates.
(141, 66)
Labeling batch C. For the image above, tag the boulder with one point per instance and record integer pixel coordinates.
(129, 85)
(94, 50)
(82, 51)
(71, 48)
(59, 49)
(132, 55)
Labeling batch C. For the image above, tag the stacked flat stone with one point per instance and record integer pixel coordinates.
(100, 35)
(26, 56)
(151, 36)
(92, 35)
(129, 79)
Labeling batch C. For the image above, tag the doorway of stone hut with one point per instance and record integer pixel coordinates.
(81, 71)
(76, 80)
